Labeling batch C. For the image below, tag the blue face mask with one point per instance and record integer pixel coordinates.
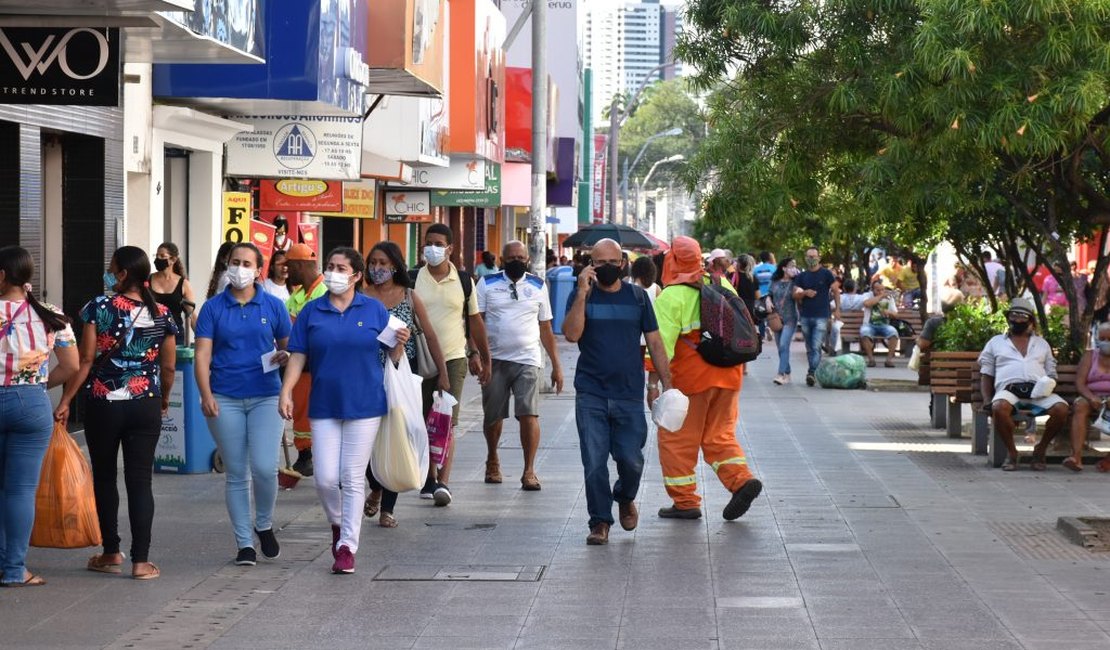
(110, 281)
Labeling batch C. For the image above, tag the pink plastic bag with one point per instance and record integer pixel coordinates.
(439, 427)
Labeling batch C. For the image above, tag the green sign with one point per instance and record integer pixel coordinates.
(488, 198)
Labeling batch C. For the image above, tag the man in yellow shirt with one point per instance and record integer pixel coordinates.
(305, 275)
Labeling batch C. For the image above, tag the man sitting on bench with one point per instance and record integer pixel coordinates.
(878, 308)
(1014, 367)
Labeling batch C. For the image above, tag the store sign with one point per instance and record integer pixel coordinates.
(298, 146)
(488, 197)
(300, 195)
(408, 207)
(236, 216)
(597, 178)
(459, 175)
(262, 236)
(309, 236)
(358, 201)
(60, 66)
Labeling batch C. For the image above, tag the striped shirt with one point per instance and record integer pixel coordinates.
(25, 350)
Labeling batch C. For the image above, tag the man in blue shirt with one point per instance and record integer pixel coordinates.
(606, 318)
(815, 288)
(762, 274)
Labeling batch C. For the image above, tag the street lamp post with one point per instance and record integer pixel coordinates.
(640, 188)
(628, 168)
(616, 118)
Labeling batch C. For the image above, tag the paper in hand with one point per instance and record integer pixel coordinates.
(268, 361)
(388, 337)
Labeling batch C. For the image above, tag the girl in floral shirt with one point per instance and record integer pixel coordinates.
(29, 331)
(128, 354)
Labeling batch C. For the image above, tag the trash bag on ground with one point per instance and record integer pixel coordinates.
(399, 459)
(842, 371)
(65, 507)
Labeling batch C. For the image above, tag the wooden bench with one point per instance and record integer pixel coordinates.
(853, 320)
(986, 441)
(950, 384)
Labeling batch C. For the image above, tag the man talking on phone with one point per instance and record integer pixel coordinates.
(606, 317)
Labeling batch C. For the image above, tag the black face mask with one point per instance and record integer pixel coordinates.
(515, 269)
(607, 274)
(1019, 328)
(161, 264)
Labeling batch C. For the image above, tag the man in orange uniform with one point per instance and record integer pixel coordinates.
(303, 273)
(714, 394)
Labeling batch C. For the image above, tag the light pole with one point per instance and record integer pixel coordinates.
(616, 118)
(640, 188)
(629, 168)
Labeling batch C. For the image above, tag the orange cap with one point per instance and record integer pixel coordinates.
(683, 264)
(300, 252)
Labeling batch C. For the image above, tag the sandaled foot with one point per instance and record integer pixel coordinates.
(373, 503)
(493, 471)
(387, 520)
(1011, 464)
(529, 482)
(1038, 464)
(145, 571)
(889, 363)
(112, 563)
(29, 580)
(1073, 464)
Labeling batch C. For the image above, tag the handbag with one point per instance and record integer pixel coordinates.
(774, 318)
(425, 362)
(1021, 389)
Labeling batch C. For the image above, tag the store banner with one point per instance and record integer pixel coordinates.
(597, 178)
(489, 197)
(408, 207)
(309, 232)
(297, 195)
(358, 201)
(262, 236)
(236, 216)
(327, 147)
(57, 66)
(461, 174)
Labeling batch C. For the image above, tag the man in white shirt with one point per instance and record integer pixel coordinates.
(878, 308)
(517, 313)
(996, 274)
(1012, 365)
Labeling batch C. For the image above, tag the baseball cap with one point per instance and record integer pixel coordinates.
(1022, 306)
(718, 253)
(300, 252)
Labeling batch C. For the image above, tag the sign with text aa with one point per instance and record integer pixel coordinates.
(597, 178)
(327, 147)
(490, 197)
(358, 201)
(300, 195)
(408, 207)
(60, 66)
(237, 216)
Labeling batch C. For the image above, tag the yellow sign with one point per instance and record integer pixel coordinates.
(237, 216)
(358, 201)
(297, 187)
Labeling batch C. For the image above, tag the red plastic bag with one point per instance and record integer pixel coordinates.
(65, 506)
(439, 427)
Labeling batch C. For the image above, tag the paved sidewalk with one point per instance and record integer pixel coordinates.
(873, 532)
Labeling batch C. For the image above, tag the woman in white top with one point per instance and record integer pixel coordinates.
(275, 283)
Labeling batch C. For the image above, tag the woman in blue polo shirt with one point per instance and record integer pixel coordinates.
(336, 336)
(236, 330)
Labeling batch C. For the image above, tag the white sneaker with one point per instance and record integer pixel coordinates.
(779, 379)
(785, 379)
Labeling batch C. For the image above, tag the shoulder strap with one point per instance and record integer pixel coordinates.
(10, 324)
(412, 307)
(179, 290)
(413, 274)
(467, 288)
(118, 343)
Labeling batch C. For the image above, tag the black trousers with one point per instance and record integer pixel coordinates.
(389, 498)
(135, 425)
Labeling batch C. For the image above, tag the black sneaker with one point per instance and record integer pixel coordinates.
(811, 379)
(270, 547)
(429, 489)
(671, 512)
(246, 557)
(742, 499)
(442, 495)
(303, 464)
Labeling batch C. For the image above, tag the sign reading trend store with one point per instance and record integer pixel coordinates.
(60, 66)
(326, 147)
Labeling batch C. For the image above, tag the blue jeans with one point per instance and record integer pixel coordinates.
(785, 337)
(610, 427)
(26, 422)
(248, 435)
(814, 330)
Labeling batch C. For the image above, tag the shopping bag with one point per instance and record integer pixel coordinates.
(915, 359)
(399, 459)
(1102, 422)
(668, 411)
(439, 426)
(65, 507)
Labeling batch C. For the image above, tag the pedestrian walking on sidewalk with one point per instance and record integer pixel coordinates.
(388, 281)
(236, 330)
(452, 307)
(814, 288)
(517, 313)
(606, 318)
(303, 273)
(714, 392)
(784, 302)
(128, 357)
(29, 332)
(336, 337)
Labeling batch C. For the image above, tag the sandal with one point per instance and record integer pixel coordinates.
(1071, 464)
(31, 581)
(889, 364)
(373, 503)
(1011, 464)
(153, 573)
(529, 482)
(387, 520)
(100, 564)
(1038, 464)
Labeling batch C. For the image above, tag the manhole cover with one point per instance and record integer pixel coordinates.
(464, 573)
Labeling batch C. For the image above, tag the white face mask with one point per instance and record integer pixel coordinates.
(434, 255)
(337, 282)
(240, 277)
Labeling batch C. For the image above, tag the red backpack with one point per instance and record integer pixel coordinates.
(729, 336)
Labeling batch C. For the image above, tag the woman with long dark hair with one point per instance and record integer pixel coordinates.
(29, 331)
(277, 279)
(128, 356)
(387, 280)
(782, 300)
(218, 281)
(171, 287)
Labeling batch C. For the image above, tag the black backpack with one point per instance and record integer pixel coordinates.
(467, 287)
(729, 336)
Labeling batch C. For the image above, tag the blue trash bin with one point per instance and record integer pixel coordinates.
(186, 446)
(560, 283)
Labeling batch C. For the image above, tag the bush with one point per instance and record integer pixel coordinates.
(970, 325)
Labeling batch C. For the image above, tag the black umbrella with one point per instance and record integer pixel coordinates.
(626, 236)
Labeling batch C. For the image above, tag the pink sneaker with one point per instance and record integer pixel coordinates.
(334, 540)
(344, 561)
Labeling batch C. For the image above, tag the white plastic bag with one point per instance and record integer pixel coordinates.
(400, 456)
(1102, 422)
(669, 410)
(915, 359)
(1043, 388)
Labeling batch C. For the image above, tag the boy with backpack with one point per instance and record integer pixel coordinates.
(708, 335)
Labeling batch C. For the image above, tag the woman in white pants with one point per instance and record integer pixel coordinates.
(336, 335)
